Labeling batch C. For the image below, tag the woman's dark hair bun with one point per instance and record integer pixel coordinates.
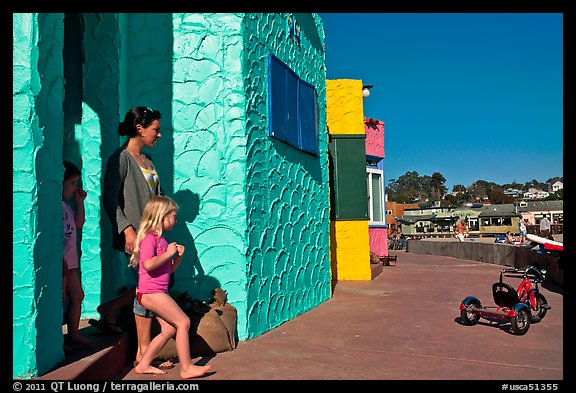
(138, 115)
(122, 129)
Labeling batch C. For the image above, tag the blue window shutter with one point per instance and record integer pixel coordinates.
(277, 99)
(308, 110)
(292, 107)
(283, 88)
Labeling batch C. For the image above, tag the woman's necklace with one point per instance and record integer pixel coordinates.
(140, 158)
(136, 155)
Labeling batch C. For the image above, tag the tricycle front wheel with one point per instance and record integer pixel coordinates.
(540, 309)
(521, 322)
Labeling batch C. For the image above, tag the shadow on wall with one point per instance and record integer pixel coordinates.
(145, 60)
(190, 275)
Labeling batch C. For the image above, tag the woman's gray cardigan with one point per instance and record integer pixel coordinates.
(125, 193)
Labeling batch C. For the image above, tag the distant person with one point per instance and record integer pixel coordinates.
(461, 230)
(403, 241)
(522, 229)
(156, 259)
(510, 239)
(391, 238)
(545, 227)
(71, 283)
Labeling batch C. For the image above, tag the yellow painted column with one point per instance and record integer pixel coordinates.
(349, 239)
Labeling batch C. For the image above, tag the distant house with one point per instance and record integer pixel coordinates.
(498, 219)
(470, 213)
(533, 211)
(557, 186)
(513, 192)
(534, 193)
(427, 221)
(394, 210)
(482, 219)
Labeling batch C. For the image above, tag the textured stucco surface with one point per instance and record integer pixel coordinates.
(287, 189)
(350, 244)
(378, 240)
(254, 213)
(210, 155)
(344, 112)
(374, 139)
(88, 136)
(37, 193)
(352, 250)
(95, 130)
(375, 147)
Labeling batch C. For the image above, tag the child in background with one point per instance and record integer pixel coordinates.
(156, 259)
(522, 229)
(509, 238)
(71, 284)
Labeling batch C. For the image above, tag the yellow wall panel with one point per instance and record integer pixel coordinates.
(344, 106)
(350, 250)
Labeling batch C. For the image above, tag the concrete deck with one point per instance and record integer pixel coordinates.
(402, 325)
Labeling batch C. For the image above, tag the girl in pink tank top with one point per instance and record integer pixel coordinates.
(156, 259)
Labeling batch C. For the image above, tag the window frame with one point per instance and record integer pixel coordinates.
(369, 173)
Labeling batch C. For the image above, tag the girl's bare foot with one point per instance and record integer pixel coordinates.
(194, 371)
(140, 369)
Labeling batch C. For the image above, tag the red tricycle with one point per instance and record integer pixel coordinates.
(521, 306)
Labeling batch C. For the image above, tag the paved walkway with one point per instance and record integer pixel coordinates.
(403, 325)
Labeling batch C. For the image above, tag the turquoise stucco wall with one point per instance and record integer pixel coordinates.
(254, 212)
(210, 155)
(37, 193)
(93, 112)
(287, 189)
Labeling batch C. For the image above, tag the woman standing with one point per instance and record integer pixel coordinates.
(130, 181)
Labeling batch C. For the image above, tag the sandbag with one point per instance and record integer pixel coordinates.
(212, 326)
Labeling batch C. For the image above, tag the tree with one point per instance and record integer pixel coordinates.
(536, 184)
(411, 187)
(458, 188)
(407, 189)
(497, 196)
(450, 200)
(463, 197)
(558, 195)
(437, 187)
(476, 191)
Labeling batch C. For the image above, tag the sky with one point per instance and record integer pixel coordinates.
(473, 96)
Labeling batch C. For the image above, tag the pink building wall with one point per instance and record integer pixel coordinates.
(375, 147)
(374, 137)
(378, 241)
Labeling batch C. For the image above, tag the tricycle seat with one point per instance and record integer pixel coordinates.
(504, 295)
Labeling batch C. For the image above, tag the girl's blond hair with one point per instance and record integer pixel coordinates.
(152, 218)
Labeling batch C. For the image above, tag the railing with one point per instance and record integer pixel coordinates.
(554, 229)
(422, 232)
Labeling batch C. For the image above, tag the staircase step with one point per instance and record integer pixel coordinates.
(103, 360)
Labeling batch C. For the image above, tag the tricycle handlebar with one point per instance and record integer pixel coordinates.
(533, 271)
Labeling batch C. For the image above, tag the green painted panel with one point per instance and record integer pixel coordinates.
(348, 193)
